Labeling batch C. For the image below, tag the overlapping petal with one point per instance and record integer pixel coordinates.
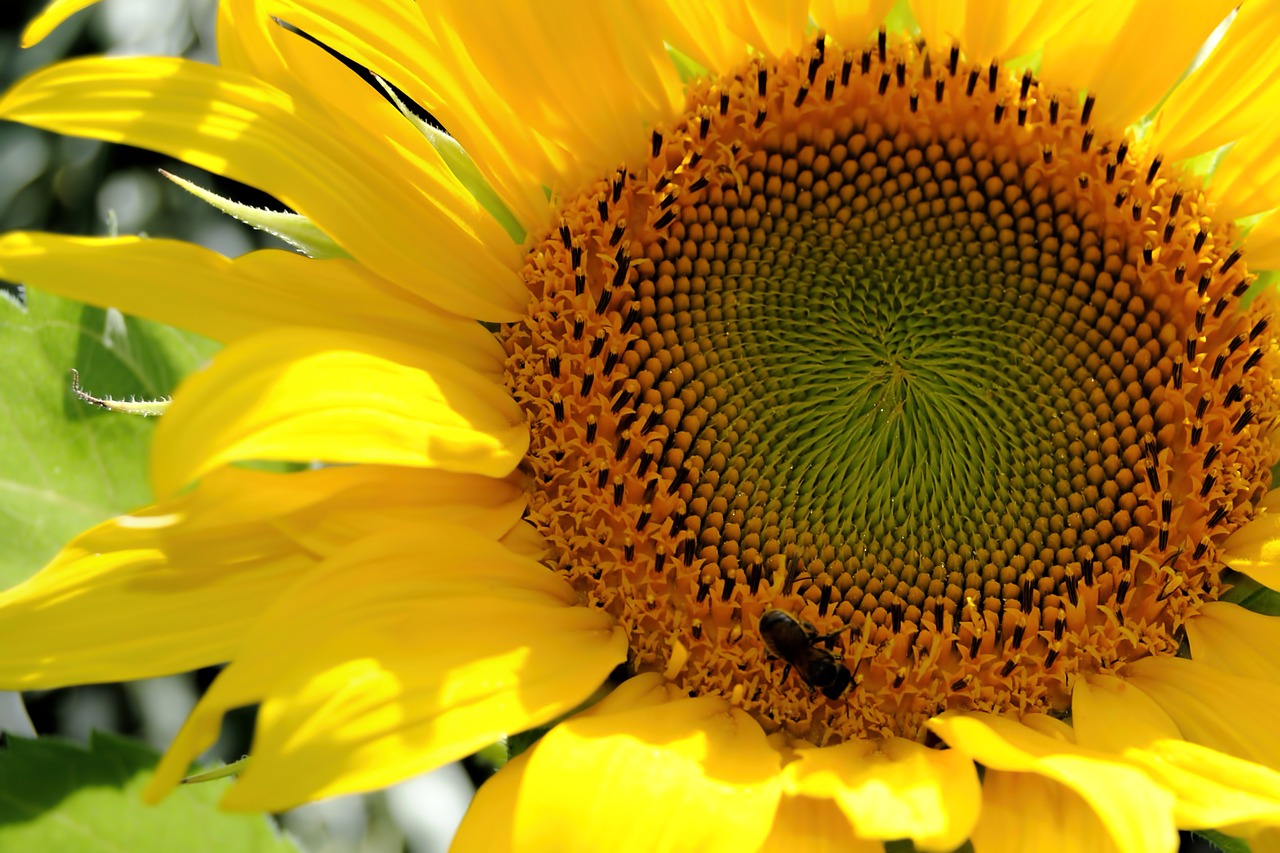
(700, 772)
(373, 183)
(174, 586)
(197, 289)
(894, 789)
(409, 649)
(306, 395)
(54, 14)
(1255, 548)
(987, 29)
(1236, 640)
(1026, 811)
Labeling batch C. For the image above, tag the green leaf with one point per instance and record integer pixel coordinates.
(1252, 595)
(1225, 843)
(55, 795)
(68, 465)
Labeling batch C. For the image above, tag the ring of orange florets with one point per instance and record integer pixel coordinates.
(666, 481)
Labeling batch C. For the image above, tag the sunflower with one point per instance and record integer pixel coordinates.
(883, 403)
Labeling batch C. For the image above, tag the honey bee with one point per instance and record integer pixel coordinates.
(796, 642)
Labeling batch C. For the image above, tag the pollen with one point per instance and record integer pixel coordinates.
(910, 351)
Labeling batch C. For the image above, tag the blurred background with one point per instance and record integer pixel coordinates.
(80, 186)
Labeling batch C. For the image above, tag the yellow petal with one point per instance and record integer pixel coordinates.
(1232, 93)
(813, 825)
(986, 29)
(1226, 712)
(407, 650)
(175, 586)
(590, 78)
(1129, 53)
(192, 287)
(850, 22)
(47, 21)
(1025, 811)
(1255, 548)
(309, 394)
(1246, 180)
(643, 770)
(1236, 640)
(895, 789)
(1137, 812)
(1213, 790)
(1263, 246)
(370, 182)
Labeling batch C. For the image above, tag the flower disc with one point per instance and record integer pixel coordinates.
(909, 350)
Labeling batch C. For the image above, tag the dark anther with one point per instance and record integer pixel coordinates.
(645, 514)
(592, 426)
(565, 236)
(1120, 196)
(1073, 589)
(619, 227)
(1086, 140)
(646, 459)
(575, 257)
(665, 219)
(938, 88)
(625, 422)
(1126, 552)
(1177, 374)
(960, 683)
(1202, 405)
(618, 179)
(704, 589)
(633, 312)
(1200, 549)
(754, 578)
(689, 549)
(668, 200)
(624, 444)
(1151, 447)
(1086, 570)
(697, 630)
(830, 89)
(1197, 432)
(1230, 261)
(815, 62)
(1122, 589)
(619, 492)
(1154, 168)
(1053, 110)
(761, 114)
(1148, 253)
(1246, 418)
(801, 94)
(602, 475)
(1025, 594)
(1242, 285)
(1180, 273)
(1252, 360)
(1121, 150)
(1050, 658)
(629, 551)
(1218, 514)
(882, 44)
(927, 71)
(1111, 176)
(620, 402)
(762, 81)
(651, 489)
(651, 421)
(1198, 243)
(974, 646)
(1007, 668)
(1174, 203)
(698, 184)
(824, 601)
(1016, 640)
(557, 405)
(1202, 287)
(682, 473)
(914, 101)
(1046, 152)
(724, 103)
(969, 87)
(1083, 180)
(1088, 109)
(1220, 306)
(1207, 485)
(1026, 84)
(727, 589)
(900, 73)
(999, 111)
(1137, 212)
(884, 82)
(1235, 344)
(1164, 535)
(1211, 455)
(602, 208)
(953, 60)
(553, 362)
(993, 74)
(1191, 347)
(656, 147)
(1022, 114)
(588, 379)
(939, 612)
(820, 44)
(1168, 231)
(602, 303)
